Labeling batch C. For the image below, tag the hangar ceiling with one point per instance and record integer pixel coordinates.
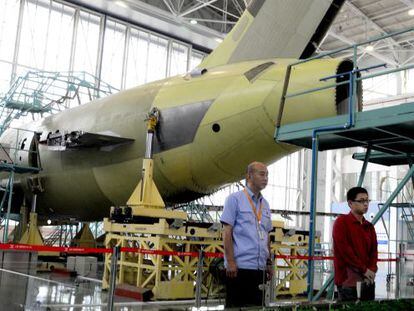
(204, 22)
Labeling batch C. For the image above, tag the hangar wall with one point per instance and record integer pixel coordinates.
(55, 36)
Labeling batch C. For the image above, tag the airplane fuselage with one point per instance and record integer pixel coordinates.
(212, 125)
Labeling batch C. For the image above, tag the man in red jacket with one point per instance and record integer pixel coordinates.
(355, 249)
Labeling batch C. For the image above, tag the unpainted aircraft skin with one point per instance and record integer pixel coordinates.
(214, 121)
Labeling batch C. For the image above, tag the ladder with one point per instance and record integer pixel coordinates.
(407, 214)
(9, 166)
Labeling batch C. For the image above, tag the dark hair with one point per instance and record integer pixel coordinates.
(353, 192)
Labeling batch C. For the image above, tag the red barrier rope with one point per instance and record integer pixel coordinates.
(61, 249)
(157, 252)
(322, 257)
(304, 257)
(85, 250)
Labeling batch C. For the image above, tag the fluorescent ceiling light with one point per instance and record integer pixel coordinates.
(411, 12)
(193, 21)
(121, 3)
(369, 48)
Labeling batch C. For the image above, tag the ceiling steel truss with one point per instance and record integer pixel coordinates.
(358, 21)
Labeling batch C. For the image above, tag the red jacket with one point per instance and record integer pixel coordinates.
(355, 249)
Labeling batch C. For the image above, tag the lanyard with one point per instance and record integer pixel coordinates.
(258, 214)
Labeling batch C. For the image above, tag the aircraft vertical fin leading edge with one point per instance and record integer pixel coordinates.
(276, 29)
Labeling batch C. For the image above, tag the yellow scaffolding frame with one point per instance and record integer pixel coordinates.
(169, 277)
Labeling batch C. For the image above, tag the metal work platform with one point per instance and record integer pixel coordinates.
(384, 158)
(407, 214)
(10, 164)
(42, 92)
(7, 167)
(388, 136)
(387, 130)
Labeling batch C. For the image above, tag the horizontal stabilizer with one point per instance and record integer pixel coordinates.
(80, 140)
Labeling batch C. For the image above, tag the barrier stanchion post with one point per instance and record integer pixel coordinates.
(199, 279)
(112, 278)
(398, 270)
(272, 287)
(269, 286)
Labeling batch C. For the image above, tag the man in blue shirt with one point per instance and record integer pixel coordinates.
(247, 222)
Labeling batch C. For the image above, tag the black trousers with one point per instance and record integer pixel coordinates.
(243, 290)
(350, 293)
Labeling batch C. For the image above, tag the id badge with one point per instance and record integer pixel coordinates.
(261, 234)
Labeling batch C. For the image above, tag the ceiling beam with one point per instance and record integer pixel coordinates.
(408, 3)
(221, 10)
(238, 6)
(385, 46)
(372, 53)
(155, 19)
(170, 7)
(206, 20)
(377, 27)
(224, 17)
(180, 6)
(197, 7)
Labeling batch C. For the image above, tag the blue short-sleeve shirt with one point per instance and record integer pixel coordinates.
(250, 250)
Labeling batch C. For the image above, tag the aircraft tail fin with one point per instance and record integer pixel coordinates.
(276, 29)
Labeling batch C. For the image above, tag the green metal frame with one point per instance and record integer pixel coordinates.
(308, 134)
(12, 169)
(41, 92)
(301, 133)
(377, 217)
(48, 92)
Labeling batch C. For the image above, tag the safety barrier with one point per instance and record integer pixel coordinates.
(81, 250)
(117, 250)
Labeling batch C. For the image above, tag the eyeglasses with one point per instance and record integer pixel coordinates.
(362, 201)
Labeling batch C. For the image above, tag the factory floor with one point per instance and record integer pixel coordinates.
(23, 288)
(54, 291)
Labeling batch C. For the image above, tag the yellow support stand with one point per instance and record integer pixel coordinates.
(32, 236)
(84, 238)
(173, 277)
(146, 194)
(169, 277)
(146, 199)
(290, 273)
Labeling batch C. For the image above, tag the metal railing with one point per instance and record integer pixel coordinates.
(353, 78)
(43, 92)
